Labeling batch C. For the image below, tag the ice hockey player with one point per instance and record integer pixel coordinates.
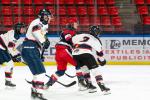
(63, 54)
(32, 47)
(85, 44)
(8, 51)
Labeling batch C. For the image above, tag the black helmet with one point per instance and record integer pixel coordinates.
(94, 30)
(17, 27)
(42, 13)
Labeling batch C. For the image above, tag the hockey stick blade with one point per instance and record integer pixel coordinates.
(70, 75)
(30, 82)
(65, 85)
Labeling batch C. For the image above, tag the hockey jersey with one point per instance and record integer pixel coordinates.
(9, 42)
(86, 43)
(37, 31)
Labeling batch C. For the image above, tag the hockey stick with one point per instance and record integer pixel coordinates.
(65, 85)
(70, 75)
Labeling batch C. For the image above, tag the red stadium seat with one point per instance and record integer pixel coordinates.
(139, 2)
(82, 10)
(69, 2)
(89, 2)
(28, 20)
(60, 2)
(110, 2)
(62, 10)
(18, 19)
(39, 2)
(6, 10)
(143, 10)
(146, 20)
(79, 2)
(101, 2)
(91, 10)
(147, 1)
(16, 1)
(27, 2)
(38, 8)
(72, 10)
(113, 10)
(63, 21)
(5, 1)
(17, 10)
(95, 20)
(116, 21)
(84, 21)
(28, 10)
(49, 2)
(52, 9)
(105, 20)
(7, 21)
(102, 10)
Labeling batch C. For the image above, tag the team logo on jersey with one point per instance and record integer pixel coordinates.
(115, 44)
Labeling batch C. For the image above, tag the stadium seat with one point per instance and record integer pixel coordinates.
(101, 2)
(82, 10)
(69, 2)
(60, 2)
(105, 20)
(113, 10)
(28, 20)
(72, 10)
(6, 10)
(79, 2)
(116, 21)
(102, 10)
(16, 1)
(7, 21)
(143, 10)
(95, 20)
(146, 20)
(38, 2)
(5, 1)
(27, 2)
(63, 21)
(28, 10)
(84, 21)
(89, 2)
(139, 2)
(18, 19)
(62, 10)
(17, 10)
(147, 1)
(38, 8)
(52, 9)
(51, 2)
(91, 10)
(110, 2)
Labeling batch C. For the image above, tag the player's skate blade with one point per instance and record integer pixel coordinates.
(9, 84)
(36, 95)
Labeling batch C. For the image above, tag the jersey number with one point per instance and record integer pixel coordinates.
(85, 39)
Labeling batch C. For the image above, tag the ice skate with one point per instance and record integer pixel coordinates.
(9, 84)
(36, 95)
(104, 89)
(91, 88)
(82, 85)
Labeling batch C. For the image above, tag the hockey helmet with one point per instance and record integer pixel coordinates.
(41, 15)
(95, 30)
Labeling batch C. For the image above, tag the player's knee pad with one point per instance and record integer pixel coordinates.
(60, 72)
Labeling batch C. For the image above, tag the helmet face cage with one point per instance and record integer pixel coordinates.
(95, 30)
(42, 13)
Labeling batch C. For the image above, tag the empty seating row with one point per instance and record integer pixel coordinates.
(63, 10)
(142, 2)
(79, 2)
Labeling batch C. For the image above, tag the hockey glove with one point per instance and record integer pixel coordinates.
(46, 44)
(16, 58)
(101, 62)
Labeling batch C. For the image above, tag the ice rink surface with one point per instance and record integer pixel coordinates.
(126, 83)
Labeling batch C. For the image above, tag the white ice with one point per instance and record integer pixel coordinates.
(125, 82)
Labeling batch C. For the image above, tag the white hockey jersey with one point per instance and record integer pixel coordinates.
(10, 42)
(37, 31)
(85, 43)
